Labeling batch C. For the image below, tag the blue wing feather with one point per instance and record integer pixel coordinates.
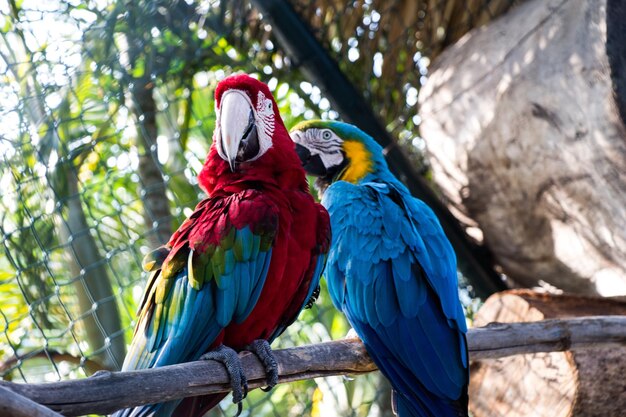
(335, 284)
(386, 300)
(189, 319)
(317, 275)
(226, 299)
(260, 268)
(245, 290)
(393, 272)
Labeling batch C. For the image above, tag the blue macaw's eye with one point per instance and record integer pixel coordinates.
(326, 134)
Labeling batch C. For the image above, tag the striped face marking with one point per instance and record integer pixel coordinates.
(334, 151)
(322, 142)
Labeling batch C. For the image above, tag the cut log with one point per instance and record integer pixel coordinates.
(522, 123)
(580, 382)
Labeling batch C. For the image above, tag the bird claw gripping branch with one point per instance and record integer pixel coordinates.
(238, 381)
(261, 348)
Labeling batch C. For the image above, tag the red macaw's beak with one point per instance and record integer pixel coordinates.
(238, 135)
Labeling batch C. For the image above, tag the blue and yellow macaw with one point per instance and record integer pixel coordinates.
(390, 269)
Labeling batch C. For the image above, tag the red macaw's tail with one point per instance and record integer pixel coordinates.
(197, 406)
(188, 407)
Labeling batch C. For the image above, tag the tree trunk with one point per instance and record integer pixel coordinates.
(98, 312)
(157, 215)
(584, 381)
(526, 140)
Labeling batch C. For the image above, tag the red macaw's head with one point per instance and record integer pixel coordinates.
(250, 141)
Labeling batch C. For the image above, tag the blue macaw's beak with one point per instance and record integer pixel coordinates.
(312, 164)
(238, 136)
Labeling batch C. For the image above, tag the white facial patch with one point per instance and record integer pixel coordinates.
(264, 120)
(322, 142)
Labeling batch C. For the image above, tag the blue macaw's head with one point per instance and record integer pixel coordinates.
(337, 151)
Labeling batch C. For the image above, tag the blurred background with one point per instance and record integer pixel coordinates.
(106, 116)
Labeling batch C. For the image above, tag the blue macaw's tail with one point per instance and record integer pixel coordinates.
(420, 402)
(411, 397)
(428, 407)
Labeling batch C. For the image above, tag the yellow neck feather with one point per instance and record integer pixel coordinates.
(360, 162)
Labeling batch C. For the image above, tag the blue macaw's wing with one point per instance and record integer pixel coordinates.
(212, 275)
(393, 272)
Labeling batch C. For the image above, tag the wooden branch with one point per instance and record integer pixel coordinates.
(15, 405)
(498, 340)
(106, 392)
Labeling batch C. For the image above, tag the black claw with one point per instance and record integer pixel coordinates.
(313, 299)
(238, 382)
(261, 348)
(245, 387)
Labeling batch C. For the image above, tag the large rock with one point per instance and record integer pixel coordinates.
(526, 141)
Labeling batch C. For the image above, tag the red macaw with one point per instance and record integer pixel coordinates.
(240, 269)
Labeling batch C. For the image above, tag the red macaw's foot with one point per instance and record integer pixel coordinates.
(238, 382)
(261, 348)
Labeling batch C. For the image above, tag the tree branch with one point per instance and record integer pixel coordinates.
(15, 405)
(108, 391)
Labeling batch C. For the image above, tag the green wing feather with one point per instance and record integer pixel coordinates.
(210, 274)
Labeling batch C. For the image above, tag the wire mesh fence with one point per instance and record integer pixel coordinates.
(107, 115)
